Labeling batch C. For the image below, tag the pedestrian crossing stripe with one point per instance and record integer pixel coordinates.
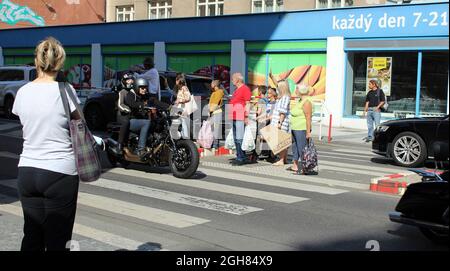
(149, 214)
(367, 169)
(132, 210)
(111, 239)
(277, 173)
(199, 202)
(274, 182)
(228, 189)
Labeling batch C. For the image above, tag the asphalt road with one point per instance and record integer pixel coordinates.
(253, 207)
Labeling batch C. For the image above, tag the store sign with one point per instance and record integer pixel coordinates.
(420, 19)
(380, 69)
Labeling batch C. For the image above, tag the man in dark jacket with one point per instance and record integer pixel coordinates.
(139, 119)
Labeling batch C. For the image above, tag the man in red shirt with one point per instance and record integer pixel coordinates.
(240, 107)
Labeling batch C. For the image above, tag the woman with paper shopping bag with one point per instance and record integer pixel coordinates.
(280, 116)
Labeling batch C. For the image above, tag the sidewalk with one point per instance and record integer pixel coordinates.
(339, 134)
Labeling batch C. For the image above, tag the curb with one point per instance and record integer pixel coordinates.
(214, 152)
(392, 184)
(396, 184)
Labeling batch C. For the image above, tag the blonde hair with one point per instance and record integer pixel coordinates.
(215, 83)
(49, 56)
(283, 88)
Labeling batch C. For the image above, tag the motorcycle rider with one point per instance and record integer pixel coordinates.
(136, 100)
(124, 111)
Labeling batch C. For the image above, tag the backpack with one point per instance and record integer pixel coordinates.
(309, 164)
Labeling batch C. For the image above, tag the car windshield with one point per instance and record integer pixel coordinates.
(11, 75)
(200, 87)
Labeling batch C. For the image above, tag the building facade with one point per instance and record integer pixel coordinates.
(23, 13)
(128, 10)
(333, 51)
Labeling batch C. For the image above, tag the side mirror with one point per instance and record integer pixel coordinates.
(440, 151)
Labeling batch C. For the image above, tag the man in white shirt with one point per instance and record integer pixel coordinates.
(152, 76)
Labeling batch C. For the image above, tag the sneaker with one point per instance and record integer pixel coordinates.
(368, 139)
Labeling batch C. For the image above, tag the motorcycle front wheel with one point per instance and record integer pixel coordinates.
(184, 162)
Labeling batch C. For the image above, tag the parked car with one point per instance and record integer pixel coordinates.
(11, 79)
(409, 141)
(101, 107)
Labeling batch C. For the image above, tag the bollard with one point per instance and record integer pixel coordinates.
(329, 128)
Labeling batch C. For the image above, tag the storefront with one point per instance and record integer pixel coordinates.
(334, 51)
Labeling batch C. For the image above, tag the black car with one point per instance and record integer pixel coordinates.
(409, 141)
(101, 107)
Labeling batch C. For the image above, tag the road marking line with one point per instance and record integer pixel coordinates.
(138, 211)
(276, 172)
(252, 193)
(368, 169)
(82, 230)
(199, 202)
(132, 210)
(353, 151)
(272, 182)
(348, 155)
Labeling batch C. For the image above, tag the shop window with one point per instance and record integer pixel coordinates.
(77, 71)
(116, 65)
(434, 84)
(399, 83)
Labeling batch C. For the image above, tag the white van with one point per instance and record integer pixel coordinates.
(11, 79)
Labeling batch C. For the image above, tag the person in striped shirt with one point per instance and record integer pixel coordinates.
(280, 115)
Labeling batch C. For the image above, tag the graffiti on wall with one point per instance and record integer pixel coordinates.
(11, 14)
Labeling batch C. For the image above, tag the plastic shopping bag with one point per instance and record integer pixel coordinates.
(310, 165)
(229, 141)
(205, 136)
(248, 143)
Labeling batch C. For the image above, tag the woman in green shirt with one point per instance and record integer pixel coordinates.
(301, 114)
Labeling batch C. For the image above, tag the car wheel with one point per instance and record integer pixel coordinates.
(9, 102)
(94, 117)
(408, 150)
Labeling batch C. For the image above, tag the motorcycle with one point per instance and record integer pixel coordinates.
(164, 146)
(426, 204)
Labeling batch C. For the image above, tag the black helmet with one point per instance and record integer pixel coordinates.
(123, 81)
(141, 82)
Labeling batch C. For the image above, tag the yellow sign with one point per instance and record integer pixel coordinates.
(379, 63)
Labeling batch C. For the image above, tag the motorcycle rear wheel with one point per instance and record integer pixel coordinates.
(184, 164)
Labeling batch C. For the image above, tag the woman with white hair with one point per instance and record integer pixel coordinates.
(280, 115)
(301, 114)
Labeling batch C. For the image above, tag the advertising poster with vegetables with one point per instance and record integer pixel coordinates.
(380, 69)
(305, 69)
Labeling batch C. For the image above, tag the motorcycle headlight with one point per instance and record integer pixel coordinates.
(382, 128)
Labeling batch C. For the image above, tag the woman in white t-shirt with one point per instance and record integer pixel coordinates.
(47, 175)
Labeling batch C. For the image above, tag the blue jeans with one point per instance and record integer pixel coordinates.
(299, 142)
(141, 125)
(372, 116)
(238, 135)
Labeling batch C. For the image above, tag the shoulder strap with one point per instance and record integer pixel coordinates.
(63, 91)
(64, 99)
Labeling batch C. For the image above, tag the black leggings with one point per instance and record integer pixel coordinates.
(49, 202)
